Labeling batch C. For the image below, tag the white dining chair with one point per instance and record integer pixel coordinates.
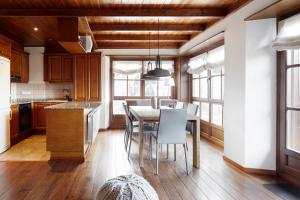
(179, 105)
(132, 129)
(171, 130)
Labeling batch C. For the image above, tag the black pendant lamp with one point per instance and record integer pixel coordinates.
(158, 72)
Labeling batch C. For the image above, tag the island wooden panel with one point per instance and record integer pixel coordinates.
(65, 131)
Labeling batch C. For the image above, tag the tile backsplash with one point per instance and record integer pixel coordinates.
(40, 90)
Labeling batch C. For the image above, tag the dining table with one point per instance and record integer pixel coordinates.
(148, 114)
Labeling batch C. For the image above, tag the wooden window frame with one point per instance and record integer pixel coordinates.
(119, 118)
(209, 100)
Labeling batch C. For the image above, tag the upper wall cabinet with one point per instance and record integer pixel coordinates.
(87, 79)
(58, 68)
(5, 47)
(19, 66)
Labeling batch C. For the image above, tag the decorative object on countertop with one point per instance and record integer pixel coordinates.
(131, 187)
(67, 93)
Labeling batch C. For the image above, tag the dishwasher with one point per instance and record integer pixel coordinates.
(93, 125)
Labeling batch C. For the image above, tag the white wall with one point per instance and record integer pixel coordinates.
(234, 92)
(249, 101)
(36, 64)
(105, 92)
(260, 104)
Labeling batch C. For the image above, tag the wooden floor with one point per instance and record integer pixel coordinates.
(32, 148)
(68, 180)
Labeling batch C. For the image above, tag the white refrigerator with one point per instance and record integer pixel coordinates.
(5, 112)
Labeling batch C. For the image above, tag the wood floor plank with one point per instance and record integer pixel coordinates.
(215, 179)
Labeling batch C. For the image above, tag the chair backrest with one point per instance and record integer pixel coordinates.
(192, 109)
(168, 102)
(171, 129)
(179, 105)
(128, 120)
(143, 102)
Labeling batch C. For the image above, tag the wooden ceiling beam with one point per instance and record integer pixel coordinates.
(121, 12)
(147, 27)
(138, 45)
(141, 37)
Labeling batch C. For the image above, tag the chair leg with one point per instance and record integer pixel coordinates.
(167, 151)
(130, 139)
(174, 152)
(157, 158)
(126, 139)
(187, 148)
(186, 162)
(150, 148)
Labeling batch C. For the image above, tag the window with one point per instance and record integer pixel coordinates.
(127, 83)
(293, 101)
(208, 85)
(127, 78)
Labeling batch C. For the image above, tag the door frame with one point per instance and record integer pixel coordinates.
(283, 169)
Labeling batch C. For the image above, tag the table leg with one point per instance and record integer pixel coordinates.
(196, 143)
(141, 143)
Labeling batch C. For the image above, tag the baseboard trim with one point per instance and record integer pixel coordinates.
(103, 129)
(213, 140)
(249, 170)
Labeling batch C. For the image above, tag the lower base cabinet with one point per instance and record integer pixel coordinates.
(39, 115)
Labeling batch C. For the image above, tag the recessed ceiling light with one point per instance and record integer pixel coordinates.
(35, 29)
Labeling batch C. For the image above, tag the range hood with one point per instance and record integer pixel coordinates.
(86, 42)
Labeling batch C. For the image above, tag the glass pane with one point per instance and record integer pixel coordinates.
(151, 88)
(215, 72)
(293, 87)
(203, 88)
(223, 87)
(196, 75)
(216, 87)
(196, 88)
(293, 130)
(197, 103)
(118, 107)
(204, 73)
(120, 76)
(216, 114)
(293, 57)
(134, 76)
(134, 88)
(163, 90)
(120, 88)
(204, 111)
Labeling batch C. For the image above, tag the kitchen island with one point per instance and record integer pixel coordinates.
(68, 134)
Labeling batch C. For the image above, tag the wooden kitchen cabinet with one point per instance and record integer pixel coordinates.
(80, 83)
(19, 66)
(55, 69)
(5, 47)
(59, 68)
(14, 123)
(87, 77)
(16, 63)
(67, 68)
(39, 114)
(25, 67)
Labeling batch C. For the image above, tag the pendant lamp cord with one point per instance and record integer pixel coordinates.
(158, 37)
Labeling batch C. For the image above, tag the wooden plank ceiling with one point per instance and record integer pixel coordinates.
(114, 23)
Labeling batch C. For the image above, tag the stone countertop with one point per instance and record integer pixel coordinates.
(76, 105)
(23, 101)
